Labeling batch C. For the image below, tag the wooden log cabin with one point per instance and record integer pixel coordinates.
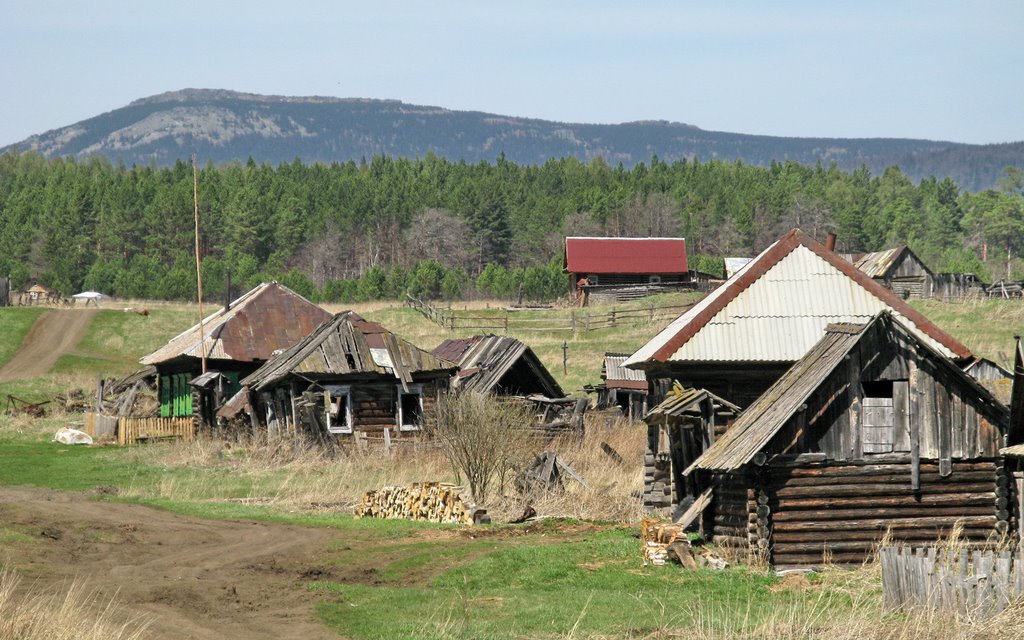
(349, 375)
(601, 266)
(235, 340)
(899, 270)
(739, 339)
(873, 431)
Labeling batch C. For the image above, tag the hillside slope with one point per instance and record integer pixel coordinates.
(223, 126)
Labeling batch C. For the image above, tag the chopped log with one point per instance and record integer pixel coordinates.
(431, 501)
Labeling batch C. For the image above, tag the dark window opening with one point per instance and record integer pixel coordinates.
(411, 410)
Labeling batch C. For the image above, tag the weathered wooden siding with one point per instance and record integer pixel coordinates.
(843, 509)
(945, 417)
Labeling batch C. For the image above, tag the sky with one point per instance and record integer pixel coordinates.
(914, 69)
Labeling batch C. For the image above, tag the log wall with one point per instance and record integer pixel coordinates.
(732, 518)
(844, 509)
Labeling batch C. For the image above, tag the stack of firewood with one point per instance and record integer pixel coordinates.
(431, 501)
(658, 537)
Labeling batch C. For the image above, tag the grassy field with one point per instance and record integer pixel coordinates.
(577, 574)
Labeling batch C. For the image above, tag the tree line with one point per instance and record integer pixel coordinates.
(380, 228)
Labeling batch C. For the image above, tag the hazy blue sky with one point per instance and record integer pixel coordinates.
(940, 70)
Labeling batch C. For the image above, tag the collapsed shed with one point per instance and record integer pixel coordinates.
(508, 368)
(500, 365)
(740, 338)
(348, 375)
(679, 430)
(235, 340)
(874, 430)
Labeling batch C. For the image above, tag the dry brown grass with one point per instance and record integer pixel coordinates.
(72, 613)
(296, 475)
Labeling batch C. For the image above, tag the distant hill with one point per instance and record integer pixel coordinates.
(224, 126)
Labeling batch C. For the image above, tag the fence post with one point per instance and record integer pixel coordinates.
(652, 313)
(613, 317)
(586, 320)
(506, 322)
(572, 320)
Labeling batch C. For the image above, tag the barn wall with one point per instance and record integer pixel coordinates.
(944, 413)
(909, 278)
(845, 508)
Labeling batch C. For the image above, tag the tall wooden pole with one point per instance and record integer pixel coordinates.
(199, 271)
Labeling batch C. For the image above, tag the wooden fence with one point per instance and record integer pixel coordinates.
(136, 430)
(977, 583)
(578, 320)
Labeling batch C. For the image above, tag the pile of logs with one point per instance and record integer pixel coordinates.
(662, 540)
(430, 501)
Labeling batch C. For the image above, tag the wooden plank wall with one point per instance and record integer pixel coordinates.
(969, 583)
(844, 509)
(133, 430)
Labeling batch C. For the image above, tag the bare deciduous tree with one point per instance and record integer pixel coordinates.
(437, 234)
(483, 438)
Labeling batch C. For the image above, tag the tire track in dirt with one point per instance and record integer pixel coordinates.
(54, 334)
(191, 578)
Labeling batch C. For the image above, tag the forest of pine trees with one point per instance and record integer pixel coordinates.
(441, 229)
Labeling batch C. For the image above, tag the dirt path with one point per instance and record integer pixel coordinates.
(55, 333)
(192, 578)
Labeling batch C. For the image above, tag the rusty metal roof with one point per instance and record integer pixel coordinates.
(617, 376)
(759, 423)
(490, 363)
(348, 344)
(775, 308)
(625, 255)
(266, 319)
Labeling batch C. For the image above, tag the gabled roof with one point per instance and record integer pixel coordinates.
(625, 255)
(348, 344)
(486, 362)
(759, 423)
(680, 401)
(775, 308)
(266, 319)
(878, 264)
(617, 376)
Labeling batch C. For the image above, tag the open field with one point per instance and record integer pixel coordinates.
(213, 539)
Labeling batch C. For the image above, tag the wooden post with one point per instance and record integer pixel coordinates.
(387, 439)
(613, 317)
(572, 320)
(565, 357)
(915, 425)
(506, 323)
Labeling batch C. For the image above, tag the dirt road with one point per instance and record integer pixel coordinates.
(55, 333)
(192, 578)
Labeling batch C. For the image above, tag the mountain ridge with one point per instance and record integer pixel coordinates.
(222, 125)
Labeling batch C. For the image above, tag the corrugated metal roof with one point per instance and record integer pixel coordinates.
(485, 361)
(776, 307)
(263, 320)
(732, 265)
(878, 263)
(346, 345)
(625, 255)
(617, 376)
(759, 423)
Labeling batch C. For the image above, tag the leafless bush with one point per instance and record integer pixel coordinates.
(482, 437)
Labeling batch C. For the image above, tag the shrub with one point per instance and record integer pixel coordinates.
(483, 438)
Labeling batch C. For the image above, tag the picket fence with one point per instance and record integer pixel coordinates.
(977, 583)
(138, 430)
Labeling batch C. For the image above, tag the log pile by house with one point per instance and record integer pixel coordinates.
(428, 501)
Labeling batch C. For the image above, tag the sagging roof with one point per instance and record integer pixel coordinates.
(265, 319)
(348, 344)
(500, 364)
(775, 308)
(878, 264)
(759, 423)
(625, 255)
(617, 376)
(681, 400)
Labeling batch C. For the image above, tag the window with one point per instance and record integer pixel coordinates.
(878, 417)
(654, 279)
(410, 407)
(338, 405)
(593, 279)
